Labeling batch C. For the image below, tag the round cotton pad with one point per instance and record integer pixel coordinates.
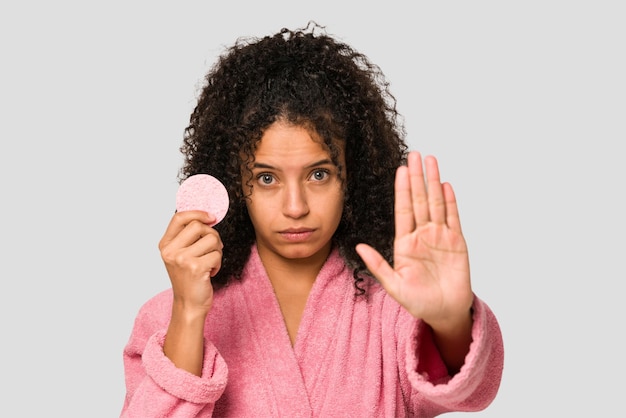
(203, 192)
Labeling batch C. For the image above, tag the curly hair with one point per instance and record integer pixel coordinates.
(307, 78)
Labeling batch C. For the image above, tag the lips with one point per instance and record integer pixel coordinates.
(296, 234)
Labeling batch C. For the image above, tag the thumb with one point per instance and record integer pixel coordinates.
(376, 264)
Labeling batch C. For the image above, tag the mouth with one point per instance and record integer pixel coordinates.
(296, 234)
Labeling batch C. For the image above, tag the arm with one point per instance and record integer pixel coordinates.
(170, 369)
(156, 387)
(430, 277)
(192, 253)
(429, 389)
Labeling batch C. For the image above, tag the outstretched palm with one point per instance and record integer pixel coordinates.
(430, 276)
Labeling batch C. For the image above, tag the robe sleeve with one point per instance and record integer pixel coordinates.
(155, 387)
(475, 386)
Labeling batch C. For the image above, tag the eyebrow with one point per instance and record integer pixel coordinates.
(325, 161)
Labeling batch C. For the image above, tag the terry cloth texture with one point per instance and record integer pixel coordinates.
(353, 357)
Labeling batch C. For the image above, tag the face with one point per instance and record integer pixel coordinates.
(296, 199)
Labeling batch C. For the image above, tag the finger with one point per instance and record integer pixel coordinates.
(452, 210)
(436, 203)
(212, 262)
(418, 189)
(207, 243)
(191, 233)
(403, 208)
(194, 266)
(376, 264)
(179, 221)
(202, 257)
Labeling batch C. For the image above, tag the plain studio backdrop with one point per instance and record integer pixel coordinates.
(522, 102)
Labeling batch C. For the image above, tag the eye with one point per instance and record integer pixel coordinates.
(265, 178)
(319, 175)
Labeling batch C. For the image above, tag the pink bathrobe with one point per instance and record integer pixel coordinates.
(352, 358)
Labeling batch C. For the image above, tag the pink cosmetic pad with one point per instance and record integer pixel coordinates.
(203, 192)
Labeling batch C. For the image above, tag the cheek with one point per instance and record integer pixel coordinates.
(260, 212)
(253, 209)
(337, 204)
(257, 217)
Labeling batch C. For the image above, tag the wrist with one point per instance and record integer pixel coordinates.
(189, 314)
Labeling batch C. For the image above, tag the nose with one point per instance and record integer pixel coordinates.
(295, 202)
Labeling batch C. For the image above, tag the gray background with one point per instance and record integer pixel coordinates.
(522, 102)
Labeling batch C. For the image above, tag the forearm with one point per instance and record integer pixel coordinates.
(453, 341)
(184, 342)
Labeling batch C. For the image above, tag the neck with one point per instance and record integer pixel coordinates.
(299, 272)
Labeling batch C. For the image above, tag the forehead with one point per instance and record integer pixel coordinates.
(283, 141)
(288, 137)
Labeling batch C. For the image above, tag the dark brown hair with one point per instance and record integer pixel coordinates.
(311, 79)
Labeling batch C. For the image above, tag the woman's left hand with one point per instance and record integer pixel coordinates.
(430, 276)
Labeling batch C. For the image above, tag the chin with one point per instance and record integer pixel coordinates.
(302, 252)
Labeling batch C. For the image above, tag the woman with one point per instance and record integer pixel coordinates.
(338, 284)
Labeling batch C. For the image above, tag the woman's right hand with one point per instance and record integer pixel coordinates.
(192, 253)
